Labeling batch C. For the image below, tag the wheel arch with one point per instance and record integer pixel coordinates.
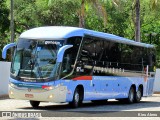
(81, 90)
(77, 101)
(131, 94)
(134, 87)
(141, 86)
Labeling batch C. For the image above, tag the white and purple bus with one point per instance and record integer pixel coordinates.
(69, 64)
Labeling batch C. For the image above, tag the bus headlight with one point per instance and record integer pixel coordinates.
(11, 92)
(50, 96)
(11, 85)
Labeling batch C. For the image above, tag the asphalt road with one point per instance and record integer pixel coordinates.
(112, 108)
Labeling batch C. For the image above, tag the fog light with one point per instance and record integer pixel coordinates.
(11, 84)
(11, 92)
(51, 96)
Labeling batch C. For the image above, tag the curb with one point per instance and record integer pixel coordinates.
(6, 96)
(157, 92)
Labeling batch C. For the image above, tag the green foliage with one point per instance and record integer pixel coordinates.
(4, 24)
(120, 17)
(4, 12)
(58, 12)
(33, 13)
(93, 21)
(117, 21)
(25, 15)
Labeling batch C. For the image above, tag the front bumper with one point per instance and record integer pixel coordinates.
(57, 94)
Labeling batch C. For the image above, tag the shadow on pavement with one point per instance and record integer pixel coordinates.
(89, 106)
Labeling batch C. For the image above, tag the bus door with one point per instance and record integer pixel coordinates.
(148, 81)
(151, 83)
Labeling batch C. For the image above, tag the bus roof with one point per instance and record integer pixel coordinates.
(62, 32)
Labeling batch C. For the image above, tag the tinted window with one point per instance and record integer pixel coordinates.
(86, 58)
(70, 56)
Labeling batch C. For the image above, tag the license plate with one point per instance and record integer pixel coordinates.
(29, 95)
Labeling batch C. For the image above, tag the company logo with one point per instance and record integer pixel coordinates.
(6, 114)
(21, 114)
(52, 42)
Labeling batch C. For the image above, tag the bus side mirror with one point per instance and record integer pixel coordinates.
(61, 52)
(5, 48)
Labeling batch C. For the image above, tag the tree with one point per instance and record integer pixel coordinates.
(95, 4)
(4, 24)
(83, 6)
(154, 3)
(58, 12)
(136, 18)
(118, 19)
(136, 7)
(137, 24)
(25, 15)
(99, 7)
(4, 13)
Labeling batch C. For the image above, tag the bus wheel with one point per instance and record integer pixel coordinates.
(138, 95)
(131, 95)
(34, 104)
(76, 99)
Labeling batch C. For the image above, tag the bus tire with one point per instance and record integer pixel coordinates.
(138, 95)
(34, 104)
(131, 95)
(76, 99)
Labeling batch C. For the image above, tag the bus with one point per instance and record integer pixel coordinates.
(69, 64)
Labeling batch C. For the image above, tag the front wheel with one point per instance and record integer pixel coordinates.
(76, 99)
(34, 104)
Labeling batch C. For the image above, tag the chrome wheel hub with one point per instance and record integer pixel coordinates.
(131, 96)
(138, 94)
(76, 97)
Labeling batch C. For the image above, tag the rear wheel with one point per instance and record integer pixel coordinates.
(131, 95)
(34, 104)
(138, 95)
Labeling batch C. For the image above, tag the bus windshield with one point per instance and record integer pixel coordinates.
(35, 60)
